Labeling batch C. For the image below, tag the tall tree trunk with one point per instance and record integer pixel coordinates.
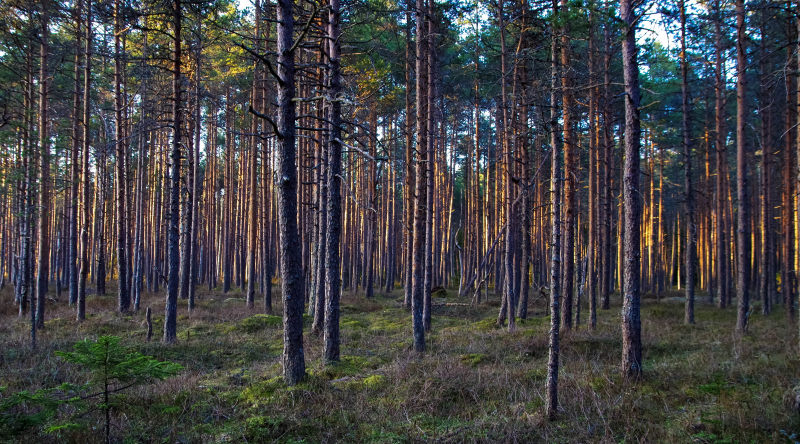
(252, 210)
(193, 198)
(742, 214)
(797, 103)
(294, 367)
(430, 165)
(43, 255)
(123, 291)
(410, 180)
(631, 321)
(570, 174)
(592, 250)
(555, 239)
(721, 259)
(508, 251)
(765, 111)
(72, 254)
(607, 269)
(87, 189)
(418, 248)
(171, 307)
(788, 275)
(333, 281)
(691, 233)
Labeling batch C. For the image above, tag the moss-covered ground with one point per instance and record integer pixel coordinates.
(475, 382)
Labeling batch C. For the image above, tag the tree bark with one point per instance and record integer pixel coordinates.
(555, 240)
(43, 254)
(171, 307)
(294, 367)
(123, 291)
(631, 321)
(72, 254)
(418, 257)
(333, 281)
(691, 234)
(570, 171)
(742, 214)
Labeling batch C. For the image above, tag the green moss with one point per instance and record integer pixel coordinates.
(387, 324)
(374, 381)
(264, 428)
(258, 322)
(263, 392)
(353, 324)
(349, 365)
(487, 324)
(473, 359)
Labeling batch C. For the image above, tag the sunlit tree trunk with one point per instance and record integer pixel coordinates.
(570, 171)
(555, 239)
(171, 307)
(43, 229)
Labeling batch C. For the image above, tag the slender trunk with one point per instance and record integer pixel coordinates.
(721, 259)
(410, 180)
(430, 165)
(742, 213)
(123, 292)
(592, 250)
(555, 241)
(43, 255)
(631, 321)
(570, 171)
(72, 254)
(333, 281)
(691, 235)
(418, 259)
(171, 307)
(252, 210)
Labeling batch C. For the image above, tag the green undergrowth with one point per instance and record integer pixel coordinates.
(476, 382)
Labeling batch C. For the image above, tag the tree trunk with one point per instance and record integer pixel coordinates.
(171, 307)
(43, 255)
(333, 281)
(555, 240)
(721, 259)
(742, 214)
(123, 291)
(294, 367)
(691, 234)
(418, 257)
(570, 171)
(72, 254)
(430, 164)
(631, 322)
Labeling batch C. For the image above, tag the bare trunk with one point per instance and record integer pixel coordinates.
(691, 236)
(171, 307)
(123, 292)
(43, 255)
(333, 281)
(555, 241)
(294, 367)
(631, 321)
(742, 214)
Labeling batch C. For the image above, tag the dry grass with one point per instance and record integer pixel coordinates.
(475, 382)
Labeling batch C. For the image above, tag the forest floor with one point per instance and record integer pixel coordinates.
(476, 382)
